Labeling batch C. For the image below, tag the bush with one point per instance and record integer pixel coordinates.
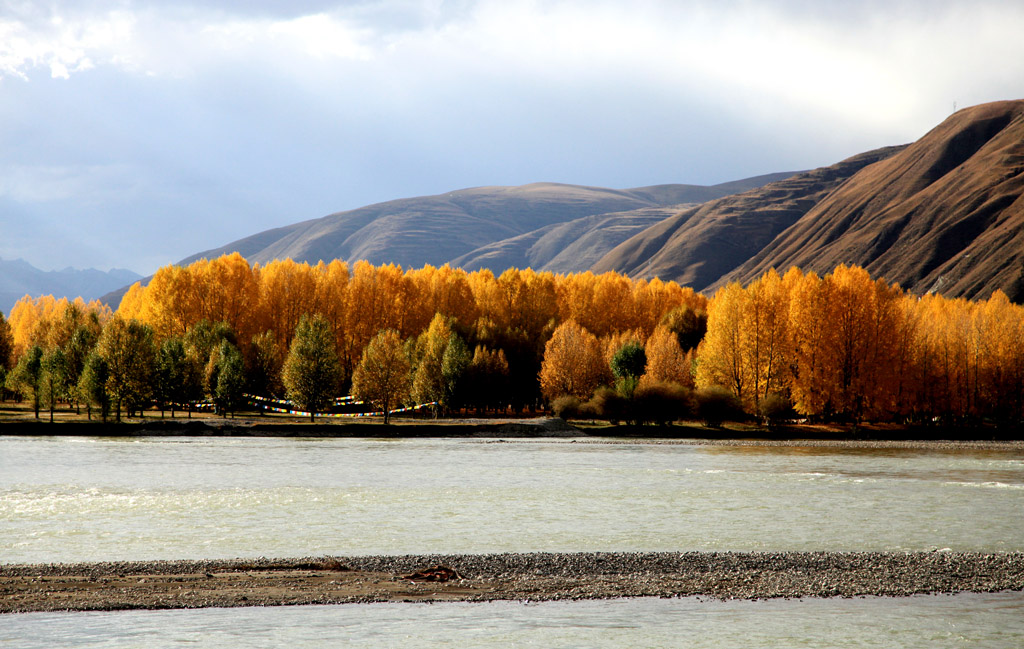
(566, 407)
(716, 405)
(662, 402)
(776, 408)
(609, 404)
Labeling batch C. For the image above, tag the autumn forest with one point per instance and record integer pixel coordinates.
(845, 347)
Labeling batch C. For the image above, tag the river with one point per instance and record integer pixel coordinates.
(86, 499)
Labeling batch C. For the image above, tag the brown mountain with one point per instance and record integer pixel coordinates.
(573, 246)
(945, 214)
(700, 244)
(543, 225)
(437, 229)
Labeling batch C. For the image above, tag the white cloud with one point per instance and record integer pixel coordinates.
(236, 114)
(847, 63)
(60, 45)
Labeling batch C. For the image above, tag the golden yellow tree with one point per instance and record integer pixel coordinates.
(573, 363)
(287, 291)
(382, 377)
(766, 340)
(810, 328)
(665, 360)
(721, 353)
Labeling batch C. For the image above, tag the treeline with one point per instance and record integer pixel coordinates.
(846, 347)
(222, 306)
(843, 347)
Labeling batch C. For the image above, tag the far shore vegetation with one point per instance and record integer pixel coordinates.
(291, 340)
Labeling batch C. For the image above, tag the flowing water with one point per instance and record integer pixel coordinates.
(994, 621)
(78, 499)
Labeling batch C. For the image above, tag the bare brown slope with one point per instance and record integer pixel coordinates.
(573, 246)
(436, 229)
(945, 214)
(700, 244)
(446, 227)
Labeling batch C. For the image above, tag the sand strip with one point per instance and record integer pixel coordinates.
(512, 576)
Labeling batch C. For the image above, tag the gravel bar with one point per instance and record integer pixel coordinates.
(508, 576)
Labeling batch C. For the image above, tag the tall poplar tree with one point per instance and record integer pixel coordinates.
(54, 380)
(573, 363)
(92, 385)
(311, 371)
(127, 347)
(26, 377)
(383, 376)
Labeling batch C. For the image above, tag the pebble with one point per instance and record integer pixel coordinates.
(589, 575)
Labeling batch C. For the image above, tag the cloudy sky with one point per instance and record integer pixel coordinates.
(136, 132)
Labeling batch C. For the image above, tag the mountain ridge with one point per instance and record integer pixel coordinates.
(944, 214)
(19, 278)
(461, 221)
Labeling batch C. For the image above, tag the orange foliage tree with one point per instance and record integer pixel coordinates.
(573, 364)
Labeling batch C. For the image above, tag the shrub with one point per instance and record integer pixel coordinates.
(662, 402)
(566, 407)
(609, 404)
(776, 408)
(716, 405)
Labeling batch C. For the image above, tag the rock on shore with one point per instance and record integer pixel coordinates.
(510, 576)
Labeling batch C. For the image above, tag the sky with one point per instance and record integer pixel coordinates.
(134, 133)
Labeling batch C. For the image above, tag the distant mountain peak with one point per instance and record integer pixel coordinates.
(19, 278)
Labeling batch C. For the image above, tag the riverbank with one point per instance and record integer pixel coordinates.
(868, 436)
(530, 577)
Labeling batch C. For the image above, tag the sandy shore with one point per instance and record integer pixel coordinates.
(534, 577)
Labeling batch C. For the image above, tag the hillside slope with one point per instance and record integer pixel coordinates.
(575, 245)
(437, 229)
(944, 214)
(700, 244)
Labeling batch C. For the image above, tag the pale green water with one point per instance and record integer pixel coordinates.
(926, 622)
(65, 499)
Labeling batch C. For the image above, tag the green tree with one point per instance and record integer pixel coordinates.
(383, 376)
(6, 344)
(628, 365)
(127, 347)
(27, 375)
(202, 342)
(311, 370)
(428, 385)
(170, 379)
(230, 378)
(192, 382)
(263, 366)
(82, 342)
(55, 380)
(92, 385)
(454, 364)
